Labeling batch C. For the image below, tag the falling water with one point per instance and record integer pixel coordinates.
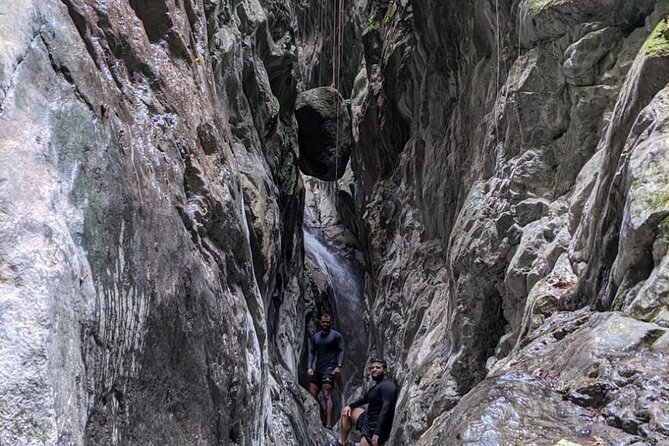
(345, 280)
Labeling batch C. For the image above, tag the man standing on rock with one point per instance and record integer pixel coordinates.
(374, 423)
(326, 349)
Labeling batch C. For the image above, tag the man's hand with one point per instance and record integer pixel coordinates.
(375, 440)
(346, 411)
(336, 372)
(310, 372)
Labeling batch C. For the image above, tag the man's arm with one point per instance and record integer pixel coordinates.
(358, 402)
(388, 399)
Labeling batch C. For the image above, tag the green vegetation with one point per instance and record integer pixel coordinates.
(43, 431)
(662, 201)
(275, 108)
(388, 16)
(657, 43)
(565, 390)
(371, 25)
(536, 6)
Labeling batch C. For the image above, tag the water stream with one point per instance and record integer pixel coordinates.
(345, 280)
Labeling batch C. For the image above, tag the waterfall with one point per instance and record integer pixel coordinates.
(345, 281)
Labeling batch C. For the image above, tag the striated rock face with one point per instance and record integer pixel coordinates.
(151, 205)
(511, 167)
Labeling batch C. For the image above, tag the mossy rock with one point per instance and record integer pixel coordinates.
(657, 43)
(662, 201)
(536, 6)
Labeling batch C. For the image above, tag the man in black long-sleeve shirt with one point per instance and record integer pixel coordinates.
(326, 349)
(375, 423)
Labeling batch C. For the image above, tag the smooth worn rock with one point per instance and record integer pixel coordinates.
(144, 281)
(496, 148)
(548, 389)
(506, 192)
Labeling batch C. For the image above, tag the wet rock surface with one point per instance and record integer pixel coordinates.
(498, 185)
(151, 225)
(583, 377)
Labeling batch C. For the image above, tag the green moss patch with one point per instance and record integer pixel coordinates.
(536, 6)
(661, 202)
(657, 43)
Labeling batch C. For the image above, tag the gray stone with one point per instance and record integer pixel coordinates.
(583, 57)
(324, 135)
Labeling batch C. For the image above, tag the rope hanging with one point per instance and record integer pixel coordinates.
(337, 43)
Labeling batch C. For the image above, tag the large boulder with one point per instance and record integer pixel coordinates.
(324, 133)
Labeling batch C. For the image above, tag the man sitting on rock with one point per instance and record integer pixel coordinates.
(326, 349)
(374, 423)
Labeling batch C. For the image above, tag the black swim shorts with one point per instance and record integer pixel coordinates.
(365, 431)
(323, 378)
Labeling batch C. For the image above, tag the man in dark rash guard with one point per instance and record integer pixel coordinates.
(374, 423)
(326, 349)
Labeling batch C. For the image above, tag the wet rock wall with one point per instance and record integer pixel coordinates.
(503, 148)
(151, 224)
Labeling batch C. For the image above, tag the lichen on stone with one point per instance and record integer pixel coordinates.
(536, 6)
(657, 44)
(275, 108)
(662, 200)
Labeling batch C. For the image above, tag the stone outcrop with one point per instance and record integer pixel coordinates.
(324, 133)
(511, 168)
(151, 225)
(583, 377)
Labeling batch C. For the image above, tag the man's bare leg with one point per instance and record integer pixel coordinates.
(346, 422)
(313, 390)
(329, 405)
(364, 442)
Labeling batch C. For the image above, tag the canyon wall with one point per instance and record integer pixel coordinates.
(506, 195)
(151, 249)
(511, 168)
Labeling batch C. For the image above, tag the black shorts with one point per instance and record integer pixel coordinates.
(323, 378)
(365, 431)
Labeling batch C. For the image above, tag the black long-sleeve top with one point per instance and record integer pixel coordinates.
(381, 410)
(327, 350)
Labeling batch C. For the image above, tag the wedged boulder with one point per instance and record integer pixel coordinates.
(324, 133)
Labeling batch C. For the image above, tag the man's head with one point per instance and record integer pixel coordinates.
(378, 368)
(326, 322)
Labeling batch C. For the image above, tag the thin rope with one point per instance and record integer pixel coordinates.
(334, 41)
(520, 53)
(498, 68)
(336, 62)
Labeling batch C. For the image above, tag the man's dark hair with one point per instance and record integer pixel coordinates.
(326, 315)
(379, 361)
